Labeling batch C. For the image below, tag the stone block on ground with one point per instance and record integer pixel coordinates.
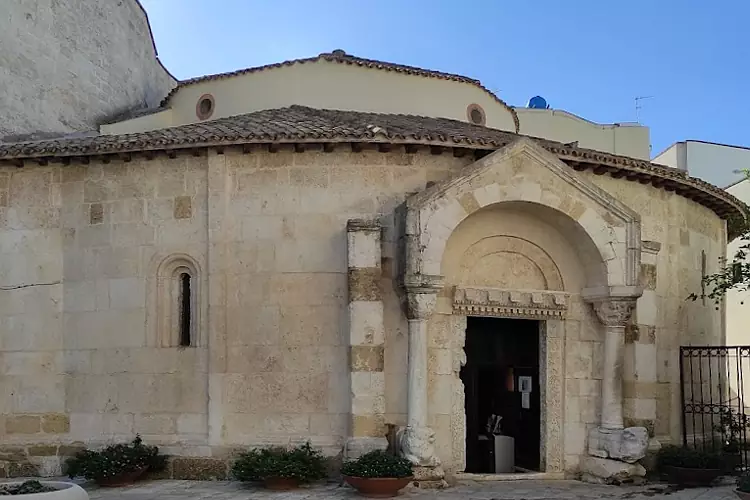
(605, 471)
(627, 445)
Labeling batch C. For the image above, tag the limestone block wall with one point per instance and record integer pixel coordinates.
(32, 359)
(122, 221)
(265, 234)
(278, 223)
(69, 64)
(665, 317)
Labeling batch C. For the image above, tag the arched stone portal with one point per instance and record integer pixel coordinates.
(602, 232)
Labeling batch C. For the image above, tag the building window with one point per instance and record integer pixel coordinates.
(175, 303)
(185, 310)
(475, 114)
(205, 107)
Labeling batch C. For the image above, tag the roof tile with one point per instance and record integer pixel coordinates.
(303, 124)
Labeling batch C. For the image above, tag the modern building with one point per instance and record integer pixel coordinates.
(720, 164)
(725, 166)
(350, 251)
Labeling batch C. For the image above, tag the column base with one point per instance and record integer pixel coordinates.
(626, 445)
(430, 477)
(604, 471)
(358, 446)
(416, 444)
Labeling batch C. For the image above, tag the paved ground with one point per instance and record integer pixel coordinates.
(516, 490)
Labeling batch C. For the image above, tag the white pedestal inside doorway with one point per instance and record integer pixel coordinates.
(505, 454)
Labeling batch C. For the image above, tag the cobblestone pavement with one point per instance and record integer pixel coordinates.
(511, 490)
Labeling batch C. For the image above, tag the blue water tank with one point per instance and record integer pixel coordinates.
(537, 102)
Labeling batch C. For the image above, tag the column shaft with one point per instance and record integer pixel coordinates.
(417, 373)
(614, 346)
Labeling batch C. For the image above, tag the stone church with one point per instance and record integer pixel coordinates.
(353, 252)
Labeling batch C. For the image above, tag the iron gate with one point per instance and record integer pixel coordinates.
(714, 412)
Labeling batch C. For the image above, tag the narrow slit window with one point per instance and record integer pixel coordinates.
(185, 310)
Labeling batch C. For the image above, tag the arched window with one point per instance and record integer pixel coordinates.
(186, 339)
(175, 303)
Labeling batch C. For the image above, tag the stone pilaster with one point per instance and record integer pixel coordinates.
(366, 338)
(640, 373)
(220, 225)
(417, 440)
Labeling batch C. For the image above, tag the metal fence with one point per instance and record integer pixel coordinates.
(714, 412)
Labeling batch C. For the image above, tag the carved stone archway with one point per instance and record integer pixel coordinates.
(607, 237)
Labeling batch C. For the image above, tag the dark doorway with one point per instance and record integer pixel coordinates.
(499, 352)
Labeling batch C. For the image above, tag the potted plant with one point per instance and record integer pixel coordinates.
(280, 468)
(378, 474)
(688, 466)
(743, 487)
(731, 454)
(116, 465)
(44, 490)
(732, 426)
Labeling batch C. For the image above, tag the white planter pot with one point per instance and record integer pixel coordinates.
(65, 491)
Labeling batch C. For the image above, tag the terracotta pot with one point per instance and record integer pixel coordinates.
(742, 494)
(381, 487)
(122, 479)
(281, 483)
(691, 477)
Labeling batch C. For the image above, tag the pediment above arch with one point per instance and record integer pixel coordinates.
(526, 174)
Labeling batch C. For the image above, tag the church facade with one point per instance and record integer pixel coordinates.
(355, 253)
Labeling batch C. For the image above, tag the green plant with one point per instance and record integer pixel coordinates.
(302, 463)
(378, 464)
(25, 488)
(743, 483)
(115, 460)
(734, 272)
(732, 426)
(688, 458)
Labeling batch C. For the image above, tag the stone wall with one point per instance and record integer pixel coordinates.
(69, 64)
(666, 318)
(83, 349)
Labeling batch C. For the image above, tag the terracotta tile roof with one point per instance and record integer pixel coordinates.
(341, 57)
(299, 125)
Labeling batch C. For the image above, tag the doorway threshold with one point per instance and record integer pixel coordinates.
(511, 476)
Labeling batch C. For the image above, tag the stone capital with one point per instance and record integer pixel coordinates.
(421, 295)
(614, 312)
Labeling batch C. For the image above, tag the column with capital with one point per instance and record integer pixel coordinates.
(613, 449)
(614, 315)
(417, 439)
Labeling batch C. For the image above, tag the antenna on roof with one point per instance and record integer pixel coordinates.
(638, 106)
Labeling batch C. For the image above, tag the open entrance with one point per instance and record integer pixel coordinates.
(502, 396)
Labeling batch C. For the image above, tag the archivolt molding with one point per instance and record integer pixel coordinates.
(525, 304)
(433, 214)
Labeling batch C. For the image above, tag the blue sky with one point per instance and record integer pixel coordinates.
(589, 57)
